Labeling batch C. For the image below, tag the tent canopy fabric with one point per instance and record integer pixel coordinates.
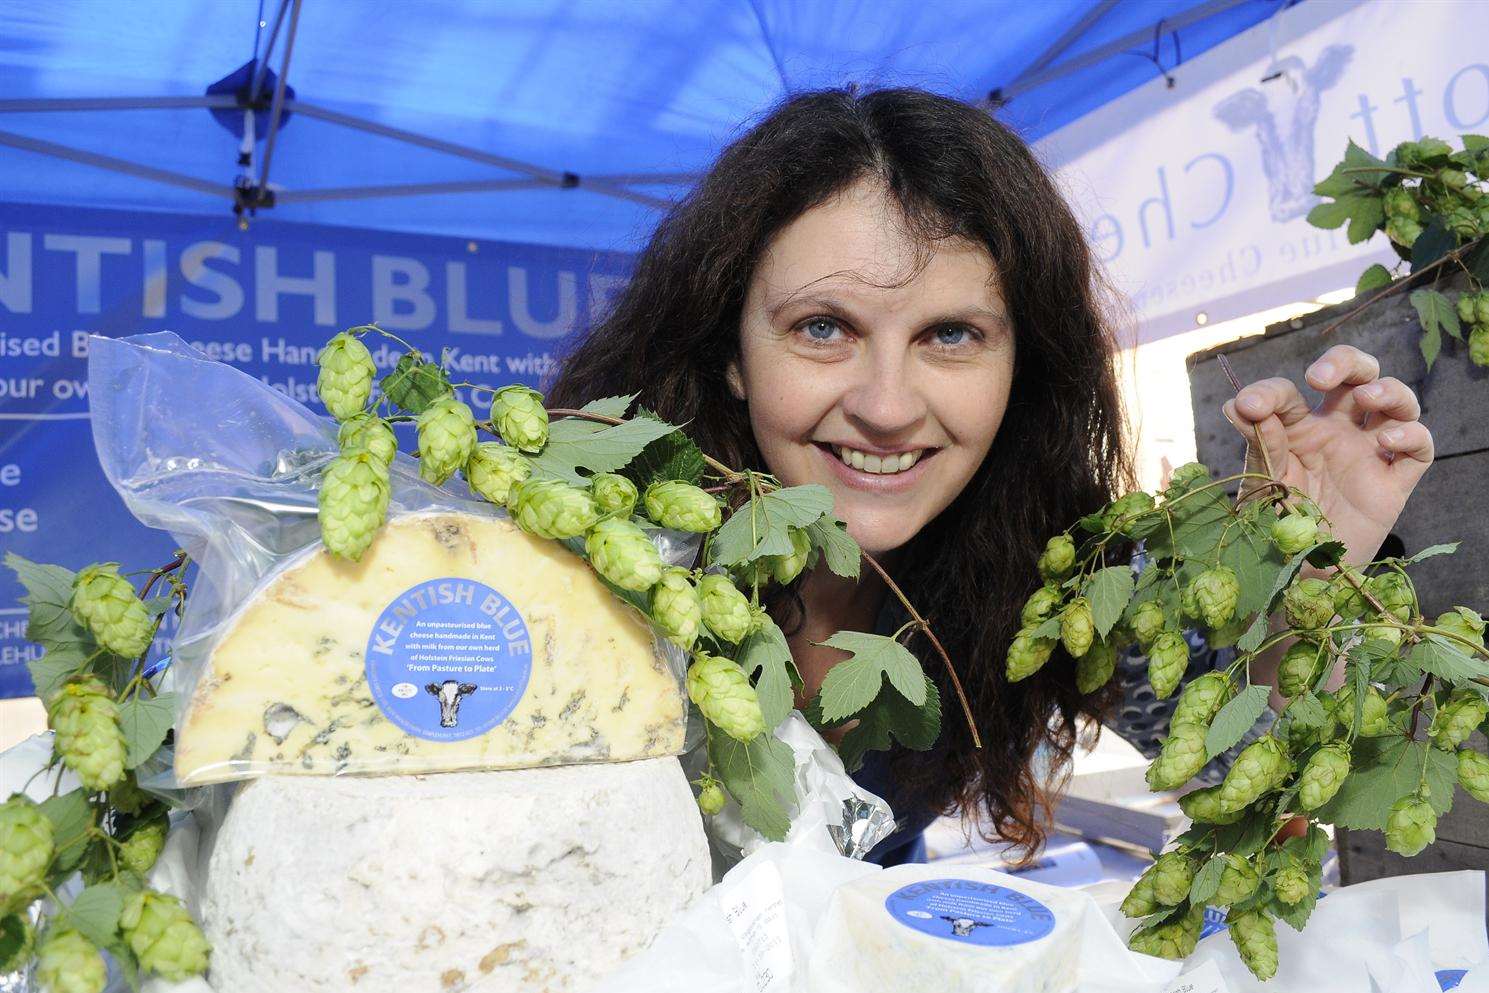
(561, 122)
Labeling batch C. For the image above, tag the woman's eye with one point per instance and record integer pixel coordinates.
(820, 329)
(954, 334)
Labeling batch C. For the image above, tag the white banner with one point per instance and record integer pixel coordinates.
(1195, 197)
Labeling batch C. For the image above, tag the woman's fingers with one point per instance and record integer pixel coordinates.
(1273, 434)
(1341, 365)
(1406, 439)
(1270, 397)
(1388, 398)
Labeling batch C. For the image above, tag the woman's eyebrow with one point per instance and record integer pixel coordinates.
(828, 303)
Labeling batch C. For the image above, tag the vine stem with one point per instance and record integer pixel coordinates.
(919, 622)
(1399, 285)
(1255, 428)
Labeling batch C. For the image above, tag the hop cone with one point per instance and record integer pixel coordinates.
(1237, 882)
(1308, 604)
(752, 574)
(143, 845)
(126, 797)
(1168, 658)
(725, 609)
(1216, 591)
(1058, 558)
(1027, 655)
(1466, 307)
(1256, 940)
(1291, 885)
(1403, 231)
(1173, 940)
(1394, 593)
(163, 936)
(1292, 533)
(66, 962)
(1202, 699)
(353, 503)
(711, 798)
(25, 852)
(1411, 825)
(86, 721)
(623, 554)
(1299, 668)
(518, 415)
(1040, 605)
(1323, 775)
(1375, 719)
(16, 933)
(447, 436)
(1077, 628)
(550, 508)
(1172, 874)
(1180, 759)
(1457, 718)
(1463, 622)
(1140, 900)
(724, 695)
(1385, 632)
(1473, 774)
(1093, 669)
(784, 568)
(1125, 511)
(1400, 203)
(1481, 307)
(493, 469)
(1204, 806)
(345, 379)
(1349, 603)
(676, 608)
(368, 432)
(1147, 623)
(1478, 345)
(615, 495)
(682, 506)
(106, 603)
(1185, 478)
(1262, 766)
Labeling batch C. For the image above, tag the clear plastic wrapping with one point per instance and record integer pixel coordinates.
(456, 642)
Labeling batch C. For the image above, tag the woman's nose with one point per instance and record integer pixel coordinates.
(886, 397)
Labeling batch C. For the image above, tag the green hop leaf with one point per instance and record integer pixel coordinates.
(1140, 900)
(1027, 655)
(494, 468)
(66, 962)
(518, 415)
(614, 494)
(1349, 603)
(1202, 699)
(25, 852)
(1394, 593)
(1411, 825)
(1457, 718)
(1077, 627)
(1168, 658)
(1096, 667)
(1216, 591)
(126, 797)
(1203, 806)
(1040, 605)
(353, 502)
(1464, 622)
(726, 611)
(106, 603)
(1174, 939)
(676, 608)
(1255, 937)
(1308, 604)
(1261, 767)
(622, 553)
(17, 942)
(1172, 874)
(1291, 885)
(1478, 345)
(144, 842)
(163, 936)
(447, 436)
(551, 508)
(1322, 776)
(1180, 759)
(1237, 882)
(414, 384)
(1293, 533)
(366, 432)
(1185, 478)
(1300, 667)
(346, 373)
(723, 694)
(785, 568)
(711, 798)
(88, 736)
(1473, 774)
(1058, 558)
(1148, 623)
(682, 506)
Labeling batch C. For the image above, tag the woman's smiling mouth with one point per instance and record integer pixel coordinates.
(876, 472)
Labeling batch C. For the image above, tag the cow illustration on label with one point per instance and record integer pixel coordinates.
(449, 694)
(963, 926)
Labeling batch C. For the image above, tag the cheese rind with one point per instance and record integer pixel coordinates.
(519, 881)
(286, 689)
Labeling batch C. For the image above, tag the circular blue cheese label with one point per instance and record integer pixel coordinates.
(448, 659)
(970, 911)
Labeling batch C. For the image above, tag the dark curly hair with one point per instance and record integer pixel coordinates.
(953, 171)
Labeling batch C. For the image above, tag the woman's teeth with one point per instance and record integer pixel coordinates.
(881, 464)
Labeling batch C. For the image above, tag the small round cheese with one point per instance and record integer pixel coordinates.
(533, 880)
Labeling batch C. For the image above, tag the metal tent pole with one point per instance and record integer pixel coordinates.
(115, 165)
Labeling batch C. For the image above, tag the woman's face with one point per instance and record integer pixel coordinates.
(884, 383)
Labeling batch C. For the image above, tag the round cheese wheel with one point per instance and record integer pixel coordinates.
(533, 880)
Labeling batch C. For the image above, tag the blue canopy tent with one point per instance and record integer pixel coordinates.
(541, 121)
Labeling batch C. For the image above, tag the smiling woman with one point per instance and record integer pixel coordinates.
(884, 293)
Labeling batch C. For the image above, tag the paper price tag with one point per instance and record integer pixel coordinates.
(1203, 979)
(756, 912)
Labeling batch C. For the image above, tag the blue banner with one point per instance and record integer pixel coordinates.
(264, 300)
